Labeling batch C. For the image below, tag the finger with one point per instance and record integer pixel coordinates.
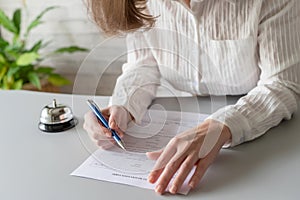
(154, 175)
(113, 125)
(183, 172)
(154, 155)
(93, 126)
(167, 175)
(161, 163)
(89, 119)
(106, 132)
(100, 139)
(121, 116)
(106, 113)
(113, 122)
(94, 131)
(166, 156)
(89, 116)
(199, 173)
(105, 144)
(99, 136)
(99, 131)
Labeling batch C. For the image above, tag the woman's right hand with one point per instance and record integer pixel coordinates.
(118, 118)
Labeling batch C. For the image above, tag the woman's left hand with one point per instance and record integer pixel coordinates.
(198, 146)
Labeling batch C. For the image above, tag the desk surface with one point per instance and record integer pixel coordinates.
(35, 165)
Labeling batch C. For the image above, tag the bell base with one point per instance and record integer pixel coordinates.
(55, 128)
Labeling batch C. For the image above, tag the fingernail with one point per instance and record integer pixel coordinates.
(151, 179)
(159, 189)
(173, 189)
(113, 124)
(192, 184)
(121, 134)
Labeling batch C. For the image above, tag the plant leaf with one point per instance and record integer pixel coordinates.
(37, 21)
(36, 46)
(18, 85)
(11, 53)
(58, 80)
(34, 79)
(7, 23)
(17, 20)
(2, 59)
(33, 25)
(3, 43)
(24, 71)
(70, 49)
(5, 84)
(12, 70)
(3, 72)
(27, 58)
(44, 70)
(17, 45)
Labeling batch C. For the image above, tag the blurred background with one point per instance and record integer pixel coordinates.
(90, 73)
(67, 25)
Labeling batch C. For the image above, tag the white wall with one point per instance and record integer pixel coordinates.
(70, 25)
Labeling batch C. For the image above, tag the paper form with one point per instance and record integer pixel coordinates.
(132, 167)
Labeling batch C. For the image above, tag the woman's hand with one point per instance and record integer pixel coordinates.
(198, 146)
(117, 117)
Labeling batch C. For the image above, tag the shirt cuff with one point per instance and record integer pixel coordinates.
(236, 122)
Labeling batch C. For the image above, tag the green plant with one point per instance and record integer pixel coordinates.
(20, 64)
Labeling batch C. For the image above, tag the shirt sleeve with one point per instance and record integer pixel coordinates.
(277, 93)
(136, 87)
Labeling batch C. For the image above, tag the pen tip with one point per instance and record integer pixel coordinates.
(123, 147)
(121, 144)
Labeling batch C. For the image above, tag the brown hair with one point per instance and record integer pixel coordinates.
(119, 16)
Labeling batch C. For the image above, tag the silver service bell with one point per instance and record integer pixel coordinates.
(56, 118)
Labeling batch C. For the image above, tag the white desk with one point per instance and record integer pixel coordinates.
(34, 165)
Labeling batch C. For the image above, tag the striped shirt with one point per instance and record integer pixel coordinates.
(219, 47)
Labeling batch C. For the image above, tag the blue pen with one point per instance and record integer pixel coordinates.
(99, 115)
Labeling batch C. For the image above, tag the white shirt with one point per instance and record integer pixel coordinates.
(219, 47)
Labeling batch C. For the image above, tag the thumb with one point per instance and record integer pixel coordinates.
(113, 124)
(118, 118)
(112, 119)
(154, 155)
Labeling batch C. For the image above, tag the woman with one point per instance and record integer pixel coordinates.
(204, 47)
